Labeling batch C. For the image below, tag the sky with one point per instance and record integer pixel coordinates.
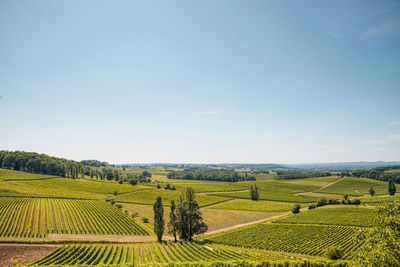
(201, 81)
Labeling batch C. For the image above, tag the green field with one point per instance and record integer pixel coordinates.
(38, 217)
(204, 186)
(304, 239)
(317, 181)
(250, 205)
(10, 175)
(333, 215)
(355, 187)
(148, 196)
(165, 254)
(275, 191)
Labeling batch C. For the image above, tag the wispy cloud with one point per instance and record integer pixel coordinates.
(210, 112)
(395, 137)
(389, 27)
(394, 123)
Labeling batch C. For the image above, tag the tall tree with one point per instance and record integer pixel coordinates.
(158, 218)
(173, 221)
(190, 220)
(391, 188)
(371, 191)
(254, 192)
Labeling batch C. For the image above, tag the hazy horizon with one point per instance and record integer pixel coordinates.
(201, 81)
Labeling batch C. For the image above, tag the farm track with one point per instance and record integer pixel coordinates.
(322, 187)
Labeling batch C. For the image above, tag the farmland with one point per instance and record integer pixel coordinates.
(334, 215)
(38, 217)
(156, 254)
(355, 187)
(304, 239)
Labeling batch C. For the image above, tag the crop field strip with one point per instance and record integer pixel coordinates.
(38, 217)
(294, 238)
(150, 255)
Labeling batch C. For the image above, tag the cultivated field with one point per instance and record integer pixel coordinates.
(38, 217)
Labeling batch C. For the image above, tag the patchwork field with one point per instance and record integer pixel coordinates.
(148, 196)
(334, 215)
(355, 187)
(250, 205)
(304, 239)
(161, 255)
(275, 191)
(38, 217)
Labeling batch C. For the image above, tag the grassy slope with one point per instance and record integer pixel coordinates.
(250, 205)
(333, 215)
(275, 191)
(355, 187)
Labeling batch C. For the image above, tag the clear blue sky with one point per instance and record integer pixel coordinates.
(201, 81)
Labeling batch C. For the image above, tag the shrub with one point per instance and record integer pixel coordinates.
(134, 215)
(296, 208)
(145, 219)
(158, 186)
(334, 253)
(115, 193)
(118, 206)
(133, 182)
(321, 202)
(173, 188)
(356, 201)
(312, 206)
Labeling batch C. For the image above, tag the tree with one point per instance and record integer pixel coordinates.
(371, 191)
(173, 221)
(254, 192)
(296, 209)
(391, 188)
(190, 220)
(346, 197)
(334, 253)
(158, 218)
(382, 243)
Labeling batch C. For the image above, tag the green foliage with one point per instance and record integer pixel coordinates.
(382, 243)
(355, 187)
(38, 217)
(334, 253)
(287, 175)
(189, 218)
(391, 188)
(254, 192)
(296, 209)
(337, 215)
(371, 191)
(173, 224)
(211, 175)
(158, 218)
(304, 239)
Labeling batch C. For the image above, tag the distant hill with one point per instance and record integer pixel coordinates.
(342, 166)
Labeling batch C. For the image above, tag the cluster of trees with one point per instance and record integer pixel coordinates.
(254, 192)
(42, 163)
(185, 217)
(211, 175)
(379, 174)
(345, 201)
(286, 175)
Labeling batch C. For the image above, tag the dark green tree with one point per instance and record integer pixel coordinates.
(371, 191)
(391, 188)
(173, 221)
(296, 209)
(254, 192)
(158, 218)
(190, 220)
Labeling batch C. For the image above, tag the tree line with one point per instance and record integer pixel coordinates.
(185, 217)
(211, 175)
(379, 174)
(286, 175)
(43, 164)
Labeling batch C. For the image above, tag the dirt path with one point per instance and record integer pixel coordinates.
(322, 187)
(245, 224)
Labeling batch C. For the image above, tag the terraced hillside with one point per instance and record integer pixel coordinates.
(157, 254)
(38, 217)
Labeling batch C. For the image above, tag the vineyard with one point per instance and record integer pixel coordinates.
(38, 217)
(155, 254)
(304, 239)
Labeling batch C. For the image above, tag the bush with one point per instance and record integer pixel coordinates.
(145, 220)
(115, 193)
(134, 215)
(333, 201)
(173, 188)
(296, 208)
(312, 206)
(133, 182)
(356, 201)
(118, 206)
(167, 187)
(158, 186)
(321, 202)
(334, 253)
